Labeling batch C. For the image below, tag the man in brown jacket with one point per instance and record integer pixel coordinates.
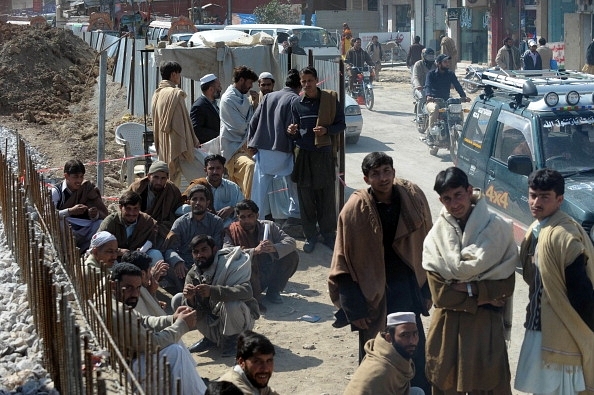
(132, 228)
(79, 201)
(160, 198)
(376, 267)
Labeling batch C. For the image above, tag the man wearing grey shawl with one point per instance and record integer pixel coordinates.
(470, 257)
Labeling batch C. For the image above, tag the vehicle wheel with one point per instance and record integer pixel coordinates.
(352, 139)
(433, 151)
(369, 98)
(472, 88)
(454, 143)
(422, 120)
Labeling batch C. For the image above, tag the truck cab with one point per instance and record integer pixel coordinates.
(523, 122)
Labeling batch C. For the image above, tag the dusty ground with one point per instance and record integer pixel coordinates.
(48, 81)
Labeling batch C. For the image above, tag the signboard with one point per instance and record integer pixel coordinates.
(454, 14)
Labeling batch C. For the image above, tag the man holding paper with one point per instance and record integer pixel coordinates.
(274, 255)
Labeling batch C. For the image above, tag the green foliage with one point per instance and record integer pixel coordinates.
(276, 11)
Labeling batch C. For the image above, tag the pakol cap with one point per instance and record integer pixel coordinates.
(266, 75)
(158, 166)
(401, 318)
(207, 78)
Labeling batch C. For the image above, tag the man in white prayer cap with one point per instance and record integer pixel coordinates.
(103, 251)
(387, 367)
(205, 110)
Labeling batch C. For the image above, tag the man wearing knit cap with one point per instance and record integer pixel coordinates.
(175, 141)
(160, 198)
(387, 367)
(205, 110)
(103, 251)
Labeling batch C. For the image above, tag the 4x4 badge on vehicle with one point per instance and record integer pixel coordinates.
(497, 198)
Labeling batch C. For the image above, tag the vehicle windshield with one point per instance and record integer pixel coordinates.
(314, 38)
(568, 142)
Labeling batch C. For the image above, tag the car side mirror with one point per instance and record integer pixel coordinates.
(520, 164)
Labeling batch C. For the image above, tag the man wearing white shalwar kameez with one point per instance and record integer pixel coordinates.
(557, 355)
(236, 112)
(126, 282)
(272, 189)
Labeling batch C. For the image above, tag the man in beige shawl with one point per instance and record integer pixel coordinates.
(175, 140)
(387, 367)
(448, 47)
(470, 257)
(557, 352)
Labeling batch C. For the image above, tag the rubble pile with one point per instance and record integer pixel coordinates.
(43, 71)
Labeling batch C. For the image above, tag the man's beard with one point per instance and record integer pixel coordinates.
(198, 210)
(131, 302)
(402, 351)
(203, 265)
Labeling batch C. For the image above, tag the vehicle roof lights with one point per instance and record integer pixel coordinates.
(551, 99)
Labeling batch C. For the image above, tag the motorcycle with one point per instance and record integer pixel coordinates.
(445, 132)
(473, 79)
(362, 89)
(421, 114)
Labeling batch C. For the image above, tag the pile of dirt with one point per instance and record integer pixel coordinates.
(43, 71)
(49, 96)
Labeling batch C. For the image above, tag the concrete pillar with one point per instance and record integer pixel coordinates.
(577, 39)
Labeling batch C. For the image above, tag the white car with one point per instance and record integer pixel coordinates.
(353, 120)
(179, 37)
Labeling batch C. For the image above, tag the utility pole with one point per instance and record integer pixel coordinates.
(229, 13)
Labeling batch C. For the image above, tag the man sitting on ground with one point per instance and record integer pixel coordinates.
(218, 288)
(132, 228)
(255, 364)
(225, 194)
(165, 332)
(178, 252)
(160, 198)
(79, 200)
(274, 253)
(148, 304)
(103, 251)
(387, 367)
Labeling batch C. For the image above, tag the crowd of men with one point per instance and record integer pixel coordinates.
(217, 251)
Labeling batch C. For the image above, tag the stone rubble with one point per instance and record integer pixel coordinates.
(21, 360)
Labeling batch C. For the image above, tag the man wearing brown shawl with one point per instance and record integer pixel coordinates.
(376, 267)
(160, 198)
(316, 121)
(132, 228)
(79, 201)
(175, 140)
(274, 255)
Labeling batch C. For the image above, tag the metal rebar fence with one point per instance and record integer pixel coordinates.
(87, 338)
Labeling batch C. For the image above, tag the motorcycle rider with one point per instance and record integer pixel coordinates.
(437, 85)
(419, 74)
(294, 47)
(356, 57)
